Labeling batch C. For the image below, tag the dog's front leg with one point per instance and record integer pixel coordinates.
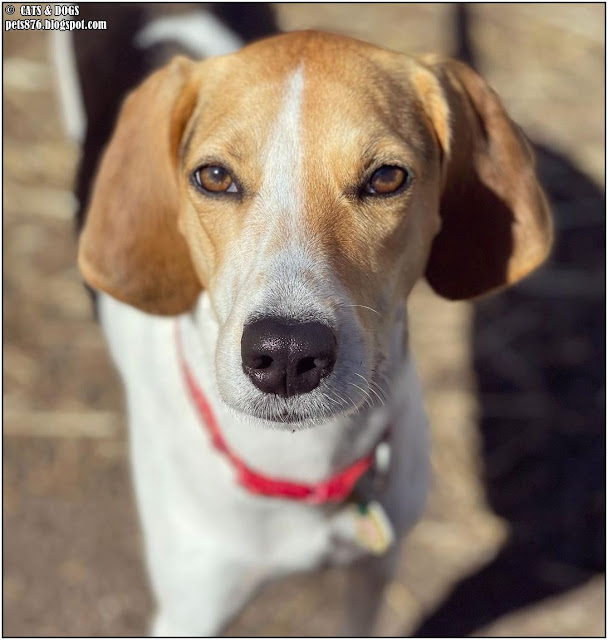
(201, 597)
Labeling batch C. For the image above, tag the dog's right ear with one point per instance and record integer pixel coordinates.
(130, 246)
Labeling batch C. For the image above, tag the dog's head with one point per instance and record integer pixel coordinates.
(306, 183)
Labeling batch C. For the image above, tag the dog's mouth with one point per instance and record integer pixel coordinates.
(294, 413)
(337, 396)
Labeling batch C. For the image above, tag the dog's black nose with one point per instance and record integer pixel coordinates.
(287, 358)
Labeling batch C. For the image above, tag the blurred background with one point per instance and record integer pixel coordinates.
(512, 543)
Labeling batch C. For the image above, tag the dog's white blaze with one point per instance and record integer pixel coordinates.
(273, 238)
(281, 192)
(285, 249)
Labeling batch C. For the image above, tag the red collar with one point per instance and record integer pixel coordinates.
(335, 489)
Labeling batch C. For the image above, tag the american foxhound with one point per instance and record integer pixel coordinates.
(257, 223)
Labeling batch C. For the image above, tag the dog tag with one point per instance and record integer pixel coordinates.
(374, 530)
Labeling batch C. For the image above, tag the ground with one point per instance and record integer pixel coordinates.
(512, 542)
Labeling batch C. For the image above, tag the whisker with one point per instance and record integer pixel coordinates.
(370, 385)
(385, 389)
(326, 395)
(377, 391)
(362, 306)
(342, 400)
(357, 409)
(363, 391)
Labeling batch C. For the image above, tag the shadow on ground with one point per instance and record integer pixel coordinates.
(539, 354)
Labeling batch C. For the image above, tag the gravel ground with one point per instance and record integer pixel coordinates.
(512, 543)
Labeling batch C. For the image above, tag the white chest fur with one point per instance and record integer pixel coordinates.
(198, 522)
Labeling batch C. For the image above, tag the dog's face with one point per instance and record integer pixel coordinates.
(309, 216)
(302, 182)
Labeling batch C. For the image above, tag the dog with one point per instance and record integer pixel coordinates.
(256, 225)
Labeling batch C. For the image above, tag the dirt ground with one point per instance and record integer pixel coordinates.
(512, 543)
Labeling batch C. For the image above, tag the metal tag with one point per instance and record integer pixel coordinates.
(373, 529)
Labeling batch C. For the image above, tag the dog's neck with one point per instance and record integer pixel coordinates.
(305, 455)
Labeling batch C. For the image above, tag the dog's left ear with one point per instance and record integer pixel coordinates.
(495, 222)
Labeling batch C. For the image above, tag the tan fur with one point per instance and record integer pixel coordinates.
(130, 246)
(496, 225)
(473, 175)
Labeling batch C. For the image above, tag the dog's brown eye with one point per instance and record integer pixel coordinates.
(214, 179)
(385, 180)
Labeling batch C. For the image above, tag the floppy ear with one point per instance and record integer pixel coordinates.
(495, 222)
(130, 246)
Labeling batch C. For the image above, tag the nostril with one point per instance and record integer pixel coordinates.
(306, 364)
(262, 362)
